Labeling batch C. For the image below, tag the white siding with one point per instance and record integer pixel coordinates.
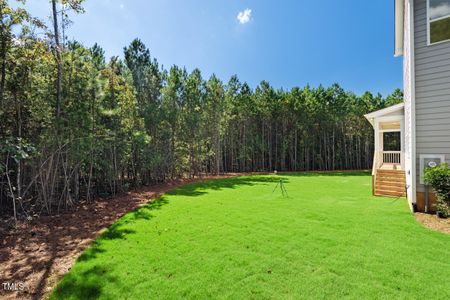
(432, 79)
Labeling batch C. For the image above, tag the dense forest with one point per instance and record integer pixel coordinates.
(75, 125)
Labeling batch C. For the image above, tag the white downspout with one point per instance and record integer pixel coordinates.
(399, 27)
(413, 103)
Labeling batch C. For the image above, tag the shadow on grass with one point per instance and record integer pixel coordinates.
(198, 189)
(119, 229)
(88, 284)
(144, 212)
(115, 231)
(91, 252)
(84, 285)
(327, 174)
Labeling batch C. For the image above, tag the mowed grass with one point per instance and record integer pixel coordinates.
(236, 239)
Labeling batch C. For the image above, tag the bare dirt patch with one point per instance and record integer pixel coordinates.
(433, 222)
(40, 252)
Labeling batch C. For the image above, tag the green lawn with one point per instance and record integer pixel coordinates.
(236, 239)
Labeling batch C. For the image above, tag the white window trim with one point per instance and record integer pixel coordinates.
(422, 167)
(429, 27)
(390, 130)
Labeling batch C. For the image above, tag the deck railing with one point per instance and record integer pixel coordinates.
(392, 157)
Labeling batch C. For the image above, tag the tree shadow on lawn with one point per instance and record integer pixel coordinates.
(198, 189)
(119, 229)
(88, 284)
(85, 285)
(113, 232)
(327, 174)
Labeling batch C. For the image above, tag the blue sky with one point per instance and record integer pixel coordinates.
(288, 43)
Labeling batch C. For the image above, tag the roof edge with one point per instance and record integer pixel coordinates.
(384, 111)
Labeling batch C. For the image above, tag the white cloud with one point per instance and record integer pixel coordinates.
(440, 11)
(244, 16)
(122, 6)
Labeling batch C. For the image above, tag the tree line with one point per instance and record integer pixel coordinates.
(74, 125)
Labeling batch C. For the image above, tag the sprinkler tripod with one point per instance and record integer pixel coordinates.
(282, 187)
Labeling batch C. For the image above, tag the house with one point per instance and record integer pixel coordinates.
(415, 134)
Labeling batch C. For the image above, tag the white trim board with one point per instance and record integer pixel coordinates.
(385, 111)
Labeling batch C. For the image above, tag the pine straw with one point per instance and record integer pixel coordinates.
(39, 253)
(433, 222)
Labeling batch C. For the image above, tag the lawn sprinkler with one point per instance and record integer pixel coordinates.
(282, 187)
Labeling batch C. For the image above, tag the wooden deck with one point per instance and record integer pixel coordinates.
(390, 182)
(391, 167)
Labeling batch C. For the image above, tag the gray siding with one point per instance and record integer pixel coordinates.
(432, 80)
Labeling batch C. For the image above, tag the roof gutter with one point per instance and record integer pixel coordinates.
(399, 27)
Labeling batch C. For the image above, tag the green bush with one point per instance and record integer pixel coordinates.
(439, 179)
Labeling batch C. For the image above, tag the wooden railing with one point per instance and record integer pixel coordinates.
(392, 157)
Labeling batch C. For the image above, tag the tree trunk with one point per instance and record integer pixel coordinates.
(3, 55)
(19, 134)
(58, 62)
(296, 149)
(3, 70)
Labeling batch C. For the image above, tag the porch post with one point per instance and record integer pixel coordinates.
(380, 149)
(402, 147)
(377, 136)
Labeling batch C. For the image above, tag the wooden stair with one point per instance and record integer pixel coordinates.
(390, 183)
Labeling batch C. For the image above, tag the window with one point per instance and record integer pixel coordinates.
(438, 21)
(392, 141)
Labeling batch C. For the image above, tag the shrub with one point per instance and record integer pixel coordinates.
(439, 178)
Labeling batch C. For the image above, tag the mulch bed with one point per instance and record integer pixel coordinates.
(40, 252)
(433, 222)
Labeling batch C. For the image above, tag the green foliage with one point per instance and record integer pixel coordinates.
(17, 149)
(439, 179)
(123, 123)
